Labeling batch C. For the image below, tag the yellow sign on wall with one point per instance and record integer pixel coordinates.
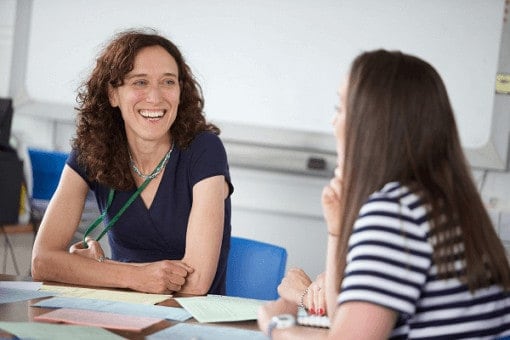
(503, 83)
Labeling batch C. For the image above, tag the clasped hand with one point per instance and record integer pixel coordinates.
(161, 277)
(297, 287)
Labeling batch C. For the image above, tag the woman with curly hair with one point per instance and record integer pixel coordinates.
(159, 173)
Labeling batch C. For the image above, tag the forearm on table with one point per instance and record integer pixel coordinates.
(61, 266)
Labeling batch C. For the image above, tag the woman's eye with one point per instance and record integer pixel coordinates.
(169, 82)
(140, 82)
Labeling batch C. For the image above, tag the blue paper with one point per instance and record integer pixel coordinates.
(125, 308)
(206, 332)
(8, 295)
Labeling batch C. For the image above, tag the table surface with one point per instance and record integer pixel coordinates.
(23, 311)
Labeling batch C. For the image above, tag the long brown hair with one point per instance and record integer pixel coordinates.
(400, 127)
(101, 139)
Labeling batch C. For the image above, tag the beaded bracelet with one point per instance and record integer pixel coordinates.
(302, 304)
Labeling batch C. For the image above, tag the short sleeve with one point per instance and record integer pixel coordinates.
(72, 162)
(208, 159)
(389, 256)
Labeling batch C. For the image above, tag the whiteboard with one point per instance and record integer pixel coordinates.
(278, 63)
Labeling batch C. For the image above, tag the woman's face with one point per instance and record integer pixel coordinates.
(339, 123)
(149, 97)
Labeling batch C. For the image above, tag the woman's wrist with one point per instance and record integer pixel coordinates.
(302, 298)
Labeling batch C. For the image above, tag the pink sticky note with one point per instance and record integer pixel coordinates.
(98, 319)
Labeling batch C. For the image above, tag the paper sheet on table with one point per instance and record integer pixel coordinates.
(44, 331)
(195, 331)
(27, 285)
(8, 295)
(220, 308)
(126, 308)
(98, 319)
(105, 294)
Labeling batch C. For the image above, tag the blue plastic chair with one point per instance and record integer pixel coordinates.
(47, 167)
(255, 269)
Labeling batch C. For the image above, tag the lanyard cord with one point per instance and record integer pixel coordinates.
(100, 218)
(117, 216)
(124, 207)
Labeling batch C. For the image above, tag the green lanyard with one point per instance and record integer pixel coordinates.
(101, 217)
(117, 216)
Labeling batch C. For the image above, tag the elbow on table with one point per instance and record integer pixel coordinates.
(196, 289)
(37, 267)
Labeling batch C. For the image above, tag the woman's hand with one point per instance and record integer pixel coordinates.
(297, 287)
(268, 310)
(293, 285)
(332, 203)
(161, 277)
(315, 299)
(93, 251)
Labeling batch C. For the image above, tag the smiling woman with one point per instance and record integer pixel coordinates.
(148, 101)
(159, 173)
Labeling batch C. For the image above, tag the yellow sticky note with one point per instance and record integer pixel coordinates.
(106, 294)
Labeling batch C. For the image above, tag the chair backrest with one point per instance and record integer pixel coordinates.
(255, 269)
(47, 167)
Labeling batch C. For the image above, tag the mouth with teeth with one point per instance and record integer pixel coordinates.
(152, 114)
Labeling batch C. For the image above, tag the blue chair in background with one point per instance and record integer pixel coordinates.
(46, 169)
(255, 269)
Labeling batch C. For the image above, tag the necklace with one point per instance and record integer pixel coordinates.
(158, 168)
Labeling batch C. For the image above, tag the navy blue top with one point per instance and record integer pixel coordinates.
(158, 233)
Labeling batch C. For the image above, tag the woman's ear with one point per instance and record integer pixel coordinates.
(112, 96)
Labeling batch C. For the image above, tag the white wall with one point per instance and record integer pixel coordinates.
(277, 64)
(272, 207)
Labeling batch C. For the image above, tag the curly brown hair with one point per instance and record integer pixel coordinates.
(101, 141)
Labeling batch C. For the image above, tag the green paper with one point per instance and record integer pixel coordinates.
(43, 331)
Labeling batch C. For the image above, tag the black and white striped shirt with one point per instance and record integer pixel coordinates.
(390, 263)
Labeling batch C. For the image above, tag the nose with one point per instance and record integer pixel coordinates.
(153, 94)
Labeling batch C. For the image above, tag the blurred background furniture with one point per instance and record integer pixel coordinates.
(255, 269)
(46, 168)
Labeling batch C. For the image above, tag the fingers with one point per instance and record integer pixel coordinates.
(180, 268)
(182, 265)
(328, 194)
(92, 249)
(75, 247)
(321, 302)
(94, 246)
(316, 299)
(176, 273)
(334, 189)
(336, 184)
(338, 172)
(175, 284)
